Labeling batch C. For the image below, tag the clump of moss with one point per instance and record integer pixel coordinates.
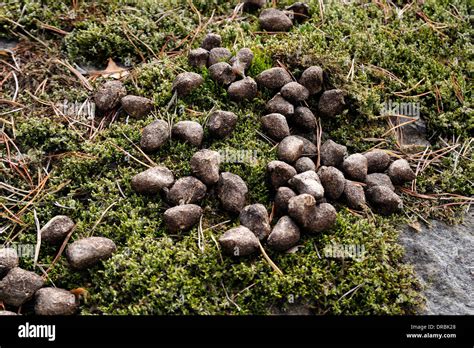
(155, 272)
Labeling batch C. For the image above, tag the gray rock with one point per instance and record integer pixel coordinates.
(399, 172)
(379, 179)
(355, 166)
(154, 135)
(188, 131)
(273, 78)
(383, 200)
(294, 92)
(186, 82)
(232, 192)
(377, 161)
(255, 218)
(331, 103)
(136, 106)
(243, 59)
(187, 190)
(205, 166)
(290, 149)
(109, 94)
(312, 79)
(254, 4)
(221, 123)
(211, 41)
(198, 57)
(354, 195)
(301, 208)
(18, 286)
(279, 105)
(152, 180)
(309, 149)
(218, 54)
(333, 181)
(300, 11)
(311, 217)
(243, 89)
(304, 164)
(284, 235)
(87, 252)
(222, 73)
(239, 241)
(304, 118)
(275, 126)
(8, 259)
(309, 183)
(282, 197)
(274, 20)
(323, 217)
(56, 229)
(279, 173)
(332, 154)
(182, 217)
(53, 301)
(442, 258)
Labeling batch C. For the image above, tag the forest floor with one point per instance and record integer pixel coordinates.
(59, 160)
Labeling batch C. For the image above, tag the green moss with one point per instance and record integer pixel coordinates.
(154, 272)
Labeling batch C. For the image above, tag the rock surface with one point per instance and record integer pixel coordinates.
(442, 258)
(108, 96)
(290, 149)
(8, 259)
(355, 167)
(284, 235)
(56, 229)
(279, 173)
(239, 241)
(187, 190)
(154, 135)
(332, 180)
(182, 217)
(243, 89)
(188, 131)
(279, 105)
(186, 82)
(211, 41)
(205, 166)
(53, 301)
(275, 126)
(383, 200)
(294, 92)
(400, 172)
(18, 286)
(221, 123)
(332, 154)
(331, 103)
(312, 79)
(152, 180)
(274, 20)
(136, 106)
(273, 78)
(308, 182)
(377, 161)
(232, 192)
(87, 252)
(255, 218)
(198, 57)
(282, 197)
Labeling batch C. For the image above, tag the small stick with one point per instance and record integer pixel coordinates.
(267, 258)
(61, 249)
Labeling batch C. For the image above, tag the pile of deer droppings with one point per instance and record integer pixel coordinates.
(303, 192)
